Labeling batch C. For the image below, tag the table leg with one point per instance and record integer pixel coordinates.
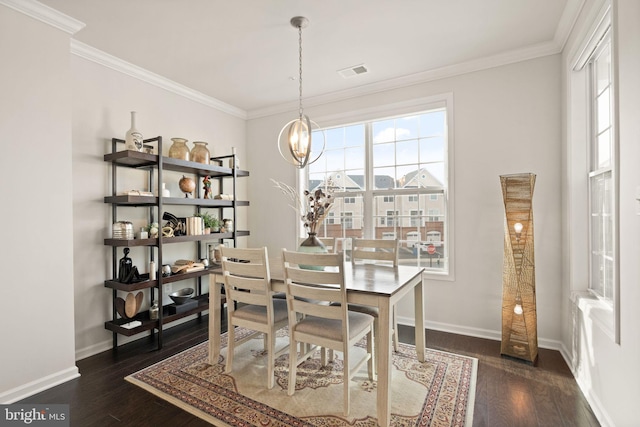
(419, 319)
(215, 289)
(384, 362)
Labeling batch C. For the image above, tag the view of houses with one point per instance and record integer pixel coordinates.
(414, 217)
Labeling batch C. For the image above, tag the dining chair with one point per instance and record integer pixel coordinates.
(250, 303)
(329, 243)
(315, 322)
(378, 251)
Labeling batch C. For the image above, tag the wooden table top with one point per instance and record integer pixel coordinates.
(367, 278)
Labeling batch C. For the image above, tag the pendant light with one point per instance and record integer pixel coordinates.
(295, 138)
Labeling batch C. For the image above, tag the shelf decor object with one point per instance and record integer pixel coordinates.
(179, 149)
(133, 137)
(294, 140)
(200, 153)
(519, 319)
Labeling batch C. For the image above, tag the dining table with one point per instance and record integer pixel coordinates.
(373, 285)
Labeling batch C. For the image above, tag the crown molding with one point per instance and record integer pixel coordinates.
(45, 14)
(506, 58)
(95, 55)
(568, 21)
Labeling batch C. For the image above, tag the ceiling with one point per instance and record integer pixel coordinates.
(245, 52)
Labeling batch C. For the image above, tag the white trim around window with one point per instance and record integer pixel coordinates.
(444, 101)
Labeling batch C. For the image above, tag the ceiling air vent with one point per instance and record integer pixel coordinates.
(353, 71)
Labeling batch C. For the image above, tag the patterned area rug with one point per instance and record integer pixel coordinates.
(438, 392)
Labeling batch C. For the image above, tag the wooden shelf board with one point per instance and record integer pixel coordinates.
(130, 242)
(203, 304)
(137, 159)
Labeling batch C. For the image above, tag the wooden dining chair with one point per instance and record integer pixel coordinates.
(250, 303)
(379, 251)
(329, 243)
(314, 321)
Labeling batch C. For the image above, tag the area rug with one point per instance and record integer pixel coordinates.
(438, 392)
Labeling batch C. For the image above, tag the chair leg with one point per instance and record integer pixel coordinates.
(371, 364)
(347, 380)
(376, 346)
(230, 348)
(293, 366)
(271, 340)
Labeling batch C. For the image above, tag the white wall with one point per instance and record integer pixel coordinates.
(607, 372)
(507, 120)
(102, 100)
(36, 216)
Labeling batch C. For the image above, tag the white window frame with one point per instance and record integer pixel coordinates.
(604, 313)
(417, 105)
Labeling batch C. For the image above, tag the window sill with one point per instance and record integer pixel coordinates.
(596, 310)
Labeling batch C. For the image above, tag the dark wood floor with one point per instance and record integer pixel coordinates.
(509, 393)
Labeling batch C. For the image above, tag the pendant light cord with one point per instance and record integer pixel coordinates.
(300, 111)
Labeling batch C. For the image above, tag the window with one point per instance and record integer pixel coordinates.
(416, 218)
(433, 215)
(390, 171)
(331, 218)
(347, 220)
(594, 245)
(601, 172)
(392, 218)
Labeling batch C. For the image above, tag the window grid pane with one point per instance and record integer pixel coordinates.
(407, 153)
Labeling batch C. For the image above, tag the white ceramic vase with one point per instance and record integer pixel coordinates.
(133, 138)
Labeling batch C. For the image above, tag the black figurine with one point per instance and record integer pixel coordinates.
(127, 272)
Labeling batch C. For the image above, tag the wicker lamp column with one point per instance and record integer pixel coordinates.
(519, 320)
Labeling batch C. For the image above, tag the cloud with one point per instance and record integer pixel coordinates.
(390, 134)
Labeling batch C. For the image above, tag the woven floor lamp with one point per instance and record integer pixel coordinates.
(519, 320)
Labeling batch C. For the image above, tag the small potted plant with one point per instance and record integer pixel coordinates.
(211, 223)
(215, 224)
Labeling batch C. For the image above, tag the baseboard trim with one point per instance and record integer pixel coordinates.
(94, 349)
(41, 384)
(477, 332)
(596, 406)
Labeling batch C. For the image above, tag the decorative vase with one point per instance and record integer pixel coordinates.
(165, 191)
(133, 138)
(179, 149)
(200, 153)
(234, 162)
(312, 245)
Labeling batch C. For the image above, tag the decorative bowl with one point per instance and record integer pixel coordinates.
(182, 296)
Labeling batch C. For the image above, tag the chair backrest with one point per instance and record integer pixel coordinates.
(246, 276)
(310, 292)
(329, 243)
(375, 249)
